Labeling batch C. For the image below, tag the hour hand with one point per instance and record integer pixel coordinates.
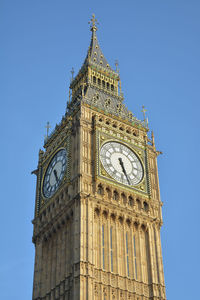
(55, 174)
(121, 164)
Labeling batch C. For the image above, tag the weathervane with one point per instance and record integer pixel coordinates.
(93, 23)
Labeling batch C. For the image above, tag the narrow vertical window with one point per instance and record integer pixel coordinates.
(134, 258)
(127, 258)
(103, 247)
(111, 250)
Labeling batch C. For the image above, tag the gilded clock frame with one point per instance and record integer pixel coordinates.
(66, 178)
(101, 173)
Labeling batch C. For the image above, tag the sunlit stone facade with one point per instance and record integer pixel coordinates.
(97, 236)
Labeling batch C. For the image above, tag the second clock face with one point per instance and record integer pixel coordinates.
(55, 173)
(121, 163)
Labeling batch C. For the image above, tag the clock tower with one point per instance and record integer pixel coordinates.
(98, 209)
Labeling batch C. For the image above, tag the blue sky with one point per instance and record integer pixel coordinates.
(157, 44)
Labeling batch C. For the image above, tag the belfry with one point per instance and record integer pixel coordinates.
(98, 210)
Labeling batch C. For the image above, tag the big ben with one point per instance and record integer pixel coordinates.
(98, 208)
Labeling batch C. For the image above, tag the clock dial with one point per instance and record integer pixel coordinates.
(121, 163)
(55, 173)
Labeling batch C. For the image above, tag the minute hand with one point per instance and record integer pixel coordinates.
(123, 169)
(55, 174)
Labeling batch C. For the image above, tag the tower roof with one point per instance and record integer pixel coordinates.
(97, 84)
(95, 55)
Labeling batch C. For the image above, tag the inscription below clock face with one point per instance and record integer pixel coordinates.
(55, 173)
(121, 163)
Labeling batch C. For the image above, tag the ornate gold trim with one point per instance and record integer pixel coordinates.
(103, 138)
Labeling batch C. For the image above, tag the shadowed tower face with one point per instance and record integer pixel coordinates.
(98, 209)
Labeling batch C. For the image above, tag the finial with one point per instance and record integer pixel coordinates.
(152, 138)
(72, 72)
(69, 95)
(93, 23)
(144, 111)
(120, 87)
(117, 65)
(47, 127)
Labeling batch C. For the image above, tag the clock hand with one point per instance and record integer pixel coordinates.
(123, 169)
(55, 174)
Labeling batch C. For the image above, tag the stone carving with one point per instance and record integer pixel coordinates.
(113, 294)
(113, 280)
(96, 290)
(105, 278)
(121, 295)
(104, 291)
(130, 285)
(121, 283)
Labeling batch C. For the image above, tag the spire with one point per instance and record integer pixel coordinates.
(95, 55)
(95, 61)
(98, 85)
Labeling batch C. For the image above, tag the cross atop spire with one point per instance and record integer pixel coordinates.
(95, 55)
(93, 23)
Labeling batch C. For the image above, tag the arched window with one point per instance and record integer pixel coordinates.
(138, 204)
(112, 87)
(146, 206)
(115, 196)
(99, 81)
(121, 220)
(94, 80)
(123, 196)
(105, 214)
(97, 211)
(112, 217)
(128, 222)
(100, 189)
(103, 84)
(108, 192)
(108, 85)
(130, 201)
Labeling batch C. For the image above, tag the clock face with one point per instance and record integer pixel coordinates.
(121, 163)
(55, 173)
